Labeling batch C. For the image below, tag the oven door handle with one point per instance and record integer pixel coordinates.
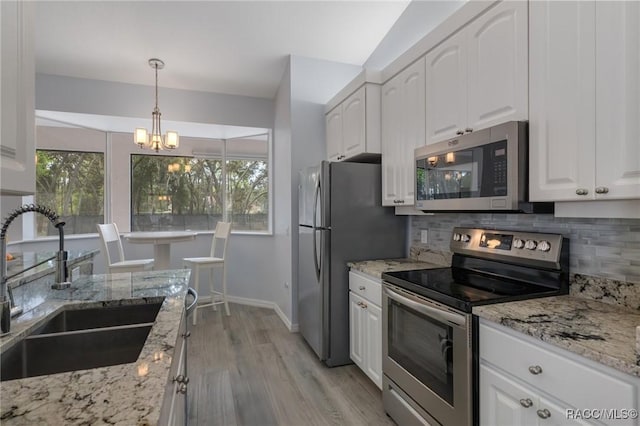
(425, 309)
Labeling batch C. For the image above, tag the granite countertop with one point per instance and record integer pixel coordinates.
(375, 268)
(47, 261)
(602, 332)
(125, 394)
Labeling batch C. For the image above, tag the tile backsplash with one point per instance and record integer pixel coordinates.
(608, 248)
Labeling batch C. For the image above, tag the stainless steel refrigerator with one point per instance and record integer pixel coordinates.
(341, 219)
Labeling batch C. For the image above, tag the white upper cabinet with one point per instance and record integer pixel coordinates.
(618, 100)
(353, 126)
(584, 129)
(403, 130)
(334, 133)
(446, 86)
(478, 77)
(17, 90)
(497, 48)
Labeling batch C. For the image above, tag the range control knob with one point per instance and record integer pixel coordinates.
(530, 245)
(518, 243)
(456, 237)
(465, 238)
(544, 246)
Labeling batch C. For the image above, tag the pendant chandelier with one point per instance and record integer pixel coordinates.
(156, 140)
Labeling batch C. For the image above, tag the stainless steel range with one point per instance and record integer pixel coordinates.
(430, 343)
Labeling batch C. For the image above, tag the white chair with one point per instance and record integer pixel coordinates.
(215, 260)
(112, 247)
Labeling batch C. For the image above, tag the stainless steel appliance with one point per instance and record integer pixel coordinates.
(430, 343)
(486, 170)
(341, 219)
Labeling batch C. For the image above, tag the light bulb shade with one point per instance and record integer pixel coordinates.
(141, 137)
(172, 140)
(450, 157)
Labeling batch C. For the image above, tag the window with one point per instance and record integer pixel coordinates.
(72, 184)
(247, 183)
(230, 182)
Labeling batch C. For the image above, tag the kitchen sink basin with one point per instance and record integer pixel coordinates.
(37, 355)
(79, 318)
(81, 338)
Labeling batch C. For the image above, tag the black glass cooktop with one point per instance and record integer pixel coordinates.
(463, 289)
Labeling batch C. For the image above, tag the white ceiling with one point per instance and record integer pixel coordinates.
(234, 47)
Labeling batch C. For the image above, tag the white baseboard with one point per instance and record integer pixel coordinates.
(260, 304)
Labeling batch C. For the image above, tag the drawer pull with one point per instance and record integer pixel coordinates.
(362, 288)
(526, 403)
(535, 369)
(544, 414)
(181, 379)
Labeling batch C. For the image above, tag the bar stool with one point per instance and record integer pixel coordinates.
(220, 239)
(111, 243)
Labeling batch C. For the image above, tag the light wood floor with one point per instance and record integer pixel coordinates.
(248, 369)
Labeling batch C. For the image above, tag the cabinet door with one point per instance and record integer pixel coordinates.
(356, 329)
(503, 401)
(446, 89)
(334, 133)
(412, 110)
(562, 100)
(373, 343)
(618, 95)
(17, 98)
(497, 68)
(391, 140)
(557, 414)
(353, 124)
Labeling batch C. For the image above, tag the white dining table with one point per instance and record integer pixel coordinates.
(161, 241)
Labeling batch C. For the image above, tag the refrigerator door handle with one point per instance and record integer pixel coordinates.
(315, 255)
(318, 264)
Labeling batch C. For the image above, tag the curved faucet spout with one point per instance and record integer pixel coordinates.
(61, 265)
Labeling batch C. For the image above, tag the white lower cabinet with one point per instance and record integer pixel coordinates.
(524, 381)
(174, 408)
(365, 325)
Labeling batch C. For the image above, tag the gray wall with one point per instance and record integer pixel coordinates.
(608, 248)
(69, 94)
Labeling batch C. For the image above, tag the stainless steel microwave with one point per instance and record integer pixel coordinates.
(485, 170)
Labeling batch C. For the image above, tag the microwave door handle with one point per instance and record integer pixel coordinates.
(435, 313)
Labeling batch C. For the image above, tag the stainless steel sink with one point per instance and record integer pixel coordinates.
(79, 318)
(79, 339)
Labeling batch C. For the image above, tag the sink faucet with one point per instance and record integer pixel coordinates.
(6, 300)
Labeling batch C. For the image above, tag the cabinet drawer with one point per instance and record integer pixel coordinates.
(563, 374)
(366, 287)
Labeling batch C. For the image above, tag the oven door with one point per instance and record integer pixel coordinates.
(427, 353)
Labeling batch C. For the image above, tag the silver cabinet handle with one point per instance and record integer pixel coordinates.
(181, 379)
(526, 403)
(582, 191)
(460, 132)
(602, 190)
(535, 369)
(544, 414)
(468, 130)
(182, 389)
(362, 287)
(193, 304)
